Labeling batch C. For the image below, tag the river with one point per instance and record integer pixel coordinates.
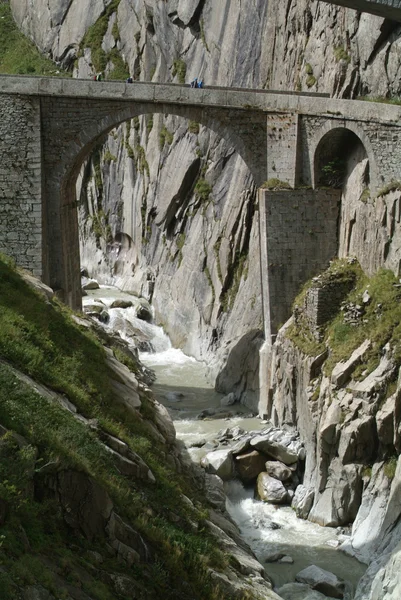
(182, 387)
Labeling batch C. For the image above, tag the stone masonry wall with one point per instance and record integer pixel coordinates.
(301, 239)
(322, 302)
(382, 143)
(21, 181)
(282, 140)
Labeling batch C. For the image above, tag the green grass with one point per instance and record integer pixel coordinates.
(18, 55)
(381, 322)
(93, 39)
(202, 190)
(276, 184)
(42, 340)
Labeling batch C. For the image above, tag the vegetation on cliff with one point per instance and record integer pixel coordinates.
(41, 442)
(370, 309)
(18, 55)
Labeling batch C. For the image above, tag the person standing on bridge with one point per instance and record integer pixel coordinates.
(194, 83)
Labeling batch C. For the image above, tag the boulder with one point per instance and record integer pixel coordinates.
(121, 303)
(89, 284)
(270, 490)
(249, 465)
(144, 312)
(323, 581)
(275, 449)
(299, 591)
(219, 462)
(302, 501)
(278, 470)
(228, 400)
(241, 446)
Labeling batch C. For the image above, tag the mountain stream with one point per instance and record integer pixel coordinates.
(182, 387)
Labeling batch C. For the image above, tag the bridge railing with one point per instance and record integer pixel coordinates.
(177, 85)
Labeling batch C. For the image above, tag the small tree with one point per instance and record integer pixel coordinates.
(333, 173)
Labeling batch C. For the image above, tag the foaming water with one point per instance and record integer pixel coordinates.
(271, 530)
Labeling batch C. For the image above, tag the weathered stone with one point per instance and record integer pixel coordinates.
(241, 446)
(278, 470)
(133, 467)
(244, 561)
(219, 462)
(214, 491)
(90, 284)
(358, 441)
(86, 505)
(117, 529)
(322, 581)
(299, 591)
(249, 465)
(339, 502)
(270, 490)
(343, 370)
(379, 378)
(228, 400)
(265, 444)
(302, 501)
(37, 592)
(385, 422)
(121, 303)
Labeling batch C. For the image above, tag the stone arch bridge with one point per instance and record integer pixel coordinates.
(48, 127)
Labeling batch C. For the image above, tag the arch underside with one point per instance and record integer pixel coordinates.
(83, 130)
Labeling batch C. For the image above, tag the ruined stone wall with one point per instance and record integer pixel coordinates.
(21, 181)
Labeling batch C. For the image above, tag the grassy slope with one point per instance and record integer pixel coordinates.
(381, 322)
(18, 55)
(42, 340)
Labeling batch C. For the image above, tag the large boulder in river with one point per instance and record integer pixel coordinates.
(249, 465)
(278, 470)
(322, 581)
(302, 501)
(121, 303)
(270, 490)
(219, 462)
(299, 591)
(89, 284)
(275, 449)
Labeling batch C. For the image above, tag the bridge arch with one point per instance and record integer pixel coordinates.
(336, 140)
(79, 135)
